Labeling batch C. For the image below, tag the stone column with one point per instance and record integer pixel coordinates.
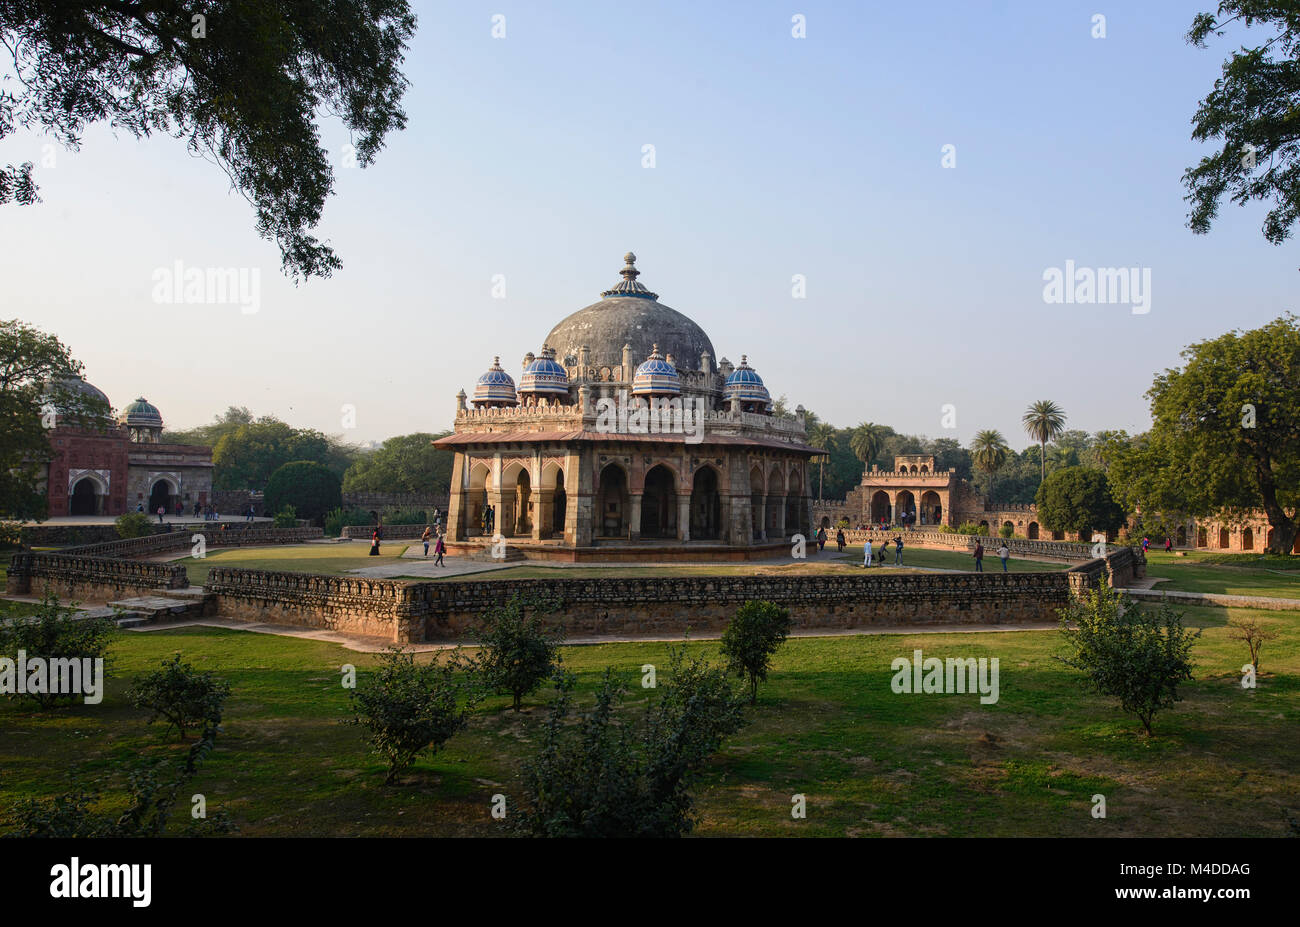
(579, 502)
(634, 517)
(543, 514)
(456, 502)
(780, 517)
(762, 518)
(683, 517)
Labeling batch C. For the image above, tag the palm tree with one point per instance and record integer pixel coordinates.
(1043, 421)
(989, 450)
(822, 436)
(866, 441)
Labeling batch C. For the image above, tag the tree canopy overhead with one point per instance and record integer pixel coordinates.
(1253, 110)
(241, 81)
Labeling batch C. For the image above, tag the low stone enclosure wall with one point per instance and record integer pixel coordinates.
(406, 612)
(80, 578)
(183, 538)
(411, 612)
(1064, 551)
(391, 532)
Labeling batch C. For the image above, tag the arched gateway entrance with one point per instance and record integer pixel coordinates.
(659, 504)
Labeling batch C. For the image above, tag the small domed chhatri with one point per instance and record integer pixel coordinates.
(746, 386)
(143, 420)
(656, 377)
(544, 377)
(625, 439)
(495, 388)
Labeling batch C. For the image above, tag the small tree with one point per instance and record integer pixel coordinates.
(55, 632)
(287, 517)
(133, 525)
(604, 777)
(1254, 634)
(184, 696)
(310, 487)
(753, 636)
(1078, 499)
(408, 708)
(518, 653)
(1126, 652)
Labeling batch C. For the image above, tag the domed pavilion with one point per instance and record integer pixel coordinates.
(622, 439)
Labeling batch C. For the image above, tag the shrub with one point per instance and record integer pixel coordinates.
(755, 633)
(151, 800)
(603, 776)
(1126, 652)
(287, 517)
(966, 528)
(310, 487)
(1006, 531)
(408, 708)
(133, 525)
(56, 632)
(184, 696)
(517, 653)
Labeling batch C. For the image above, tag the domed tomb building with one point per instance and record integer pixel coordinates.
(624, 439)
(119, 464)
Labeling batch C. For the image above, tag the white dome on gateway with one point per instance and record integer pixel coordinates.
(623, 435)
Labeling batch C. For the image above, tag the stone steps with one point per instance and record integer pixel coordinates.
(174, 605)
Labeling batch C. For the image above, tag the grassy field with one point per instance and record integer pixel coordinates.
(1224, 761)
(304, 558)
(1230, 574)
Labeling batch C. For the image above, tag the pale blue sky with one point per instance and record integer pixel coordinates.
(775, 156)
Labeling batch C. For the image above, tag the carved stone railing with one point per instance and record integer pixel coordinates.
(183, 538)
(66, 573)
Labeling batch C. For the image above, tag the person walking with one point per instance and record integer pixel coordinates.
(898, 550)
(839, 539)
(426, 538)
(440, 548)
(1003, 554)
(821, 539)
(1169, 544)
(866, 553)
(374, 543)
(979, 556)
(161, 512)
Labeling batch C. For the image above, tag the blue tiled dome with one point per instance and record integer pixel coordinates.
(495, 387)
(544, 376)
(745, 384)
(142, 413)
(656, 377)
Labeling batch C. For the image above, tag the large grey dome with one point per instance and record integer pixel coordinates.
(630, 314)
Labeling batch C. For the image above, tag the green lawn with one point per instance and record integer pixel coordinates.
(1224, 762)
(304, 558)
(1230, 574)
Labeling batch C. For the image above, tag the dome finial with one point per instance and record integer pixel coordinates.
(629, 285)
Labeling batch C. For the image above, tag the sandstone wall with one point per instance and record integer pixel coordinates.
(89, 579)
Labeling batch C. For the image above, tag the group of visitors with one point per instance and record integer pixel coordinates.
(1004, 554)
(872, 553)
(488, 520)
